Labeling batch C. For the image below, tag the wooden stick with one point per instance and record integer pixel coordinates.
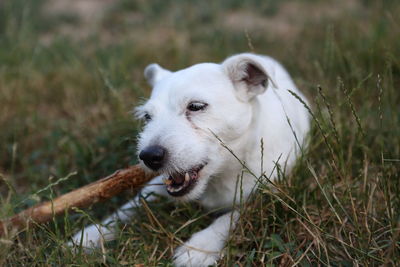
(83, 197)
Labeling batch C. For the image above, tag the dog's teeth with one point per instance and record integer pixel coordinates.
(187, 178)
(167, 181)
(173, 189)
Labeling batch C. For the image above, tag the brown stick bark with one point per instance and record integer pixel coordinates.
(83, 197)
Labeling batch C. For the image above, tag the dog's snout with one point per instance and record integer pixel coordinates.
(153, 156)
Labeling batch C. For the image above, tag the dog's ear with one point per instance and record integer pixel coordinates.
(247, 75)
(154, 73)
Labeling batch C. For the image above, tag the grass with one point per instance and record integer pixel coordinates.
(67, 86)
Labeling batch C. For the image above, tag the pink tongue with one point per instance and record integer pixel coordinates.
(178, 178)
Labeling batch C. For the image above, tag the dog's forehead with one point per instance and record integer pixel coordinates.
(202, 80)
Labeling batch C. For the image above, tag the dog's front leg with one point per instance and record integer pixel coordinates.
(204, 248)
(93, 235)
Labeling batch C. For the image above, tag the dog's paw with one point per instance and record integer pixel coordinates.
(195, 254)
(91, 237)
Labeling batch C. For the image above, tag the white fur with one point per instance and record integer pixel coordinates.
(241, 111)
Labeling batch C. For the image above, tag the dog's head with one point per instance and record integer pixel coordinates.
(188, 110)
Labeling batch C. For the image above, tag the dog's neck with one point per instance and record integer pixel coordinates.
(252, 137)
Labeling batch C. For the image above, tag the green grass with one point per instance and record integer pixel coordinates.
(67, 87)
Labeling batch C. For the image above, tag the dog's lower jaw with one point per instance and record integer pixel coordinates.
(196, 192)
(201, 185)
(179, 184)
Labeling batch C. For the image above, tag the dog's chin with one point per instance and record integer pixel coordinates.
(196, 192)
(186, 185)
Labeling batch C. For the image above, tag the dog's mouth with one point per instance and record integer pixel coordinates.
(179, 184)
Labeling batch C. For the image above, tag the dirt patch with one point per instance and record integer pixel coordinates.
(88, 13)
(290, 18)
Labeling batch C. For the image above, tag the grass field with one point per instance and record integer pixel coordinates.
(71, 71)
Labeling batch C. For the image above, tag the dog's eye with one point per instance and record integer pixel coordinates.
(147, 117)
(196, 106)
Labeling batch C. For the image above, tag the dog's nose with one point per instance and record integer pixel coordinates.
(153, 156)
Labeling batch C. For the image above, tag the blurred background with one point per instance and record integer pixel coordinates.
(71, 72)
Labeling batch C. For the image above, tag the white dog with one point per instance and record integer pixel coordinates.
(189, 114)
